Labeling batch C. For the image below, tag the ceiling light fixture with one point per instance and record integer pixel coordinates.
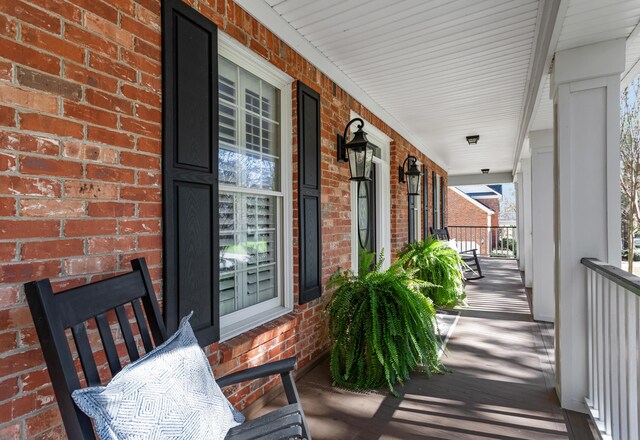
(473, 140)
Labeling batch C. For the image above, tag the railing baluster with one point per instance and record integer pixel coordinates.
(633, 333)
(607, 356)
(590, 332)
(599, 350)
(612, 329)
(596, 353)
(623, 406)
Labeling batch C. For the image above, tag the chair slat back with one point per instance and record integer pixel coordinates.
(127, 333)
(441, 234)
(109, 344)
(73, 309)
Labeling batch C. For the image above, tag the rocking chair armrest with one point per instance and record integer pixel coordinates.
(283, 366)
(469, 251)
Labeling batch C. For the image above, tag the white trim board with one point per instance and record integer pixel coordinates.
(635, 69)
(266, 15)
(547, 35)
(480, 179)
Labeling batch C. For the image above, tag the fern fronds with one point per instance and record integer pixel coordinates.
(382, 326)
(439, 265)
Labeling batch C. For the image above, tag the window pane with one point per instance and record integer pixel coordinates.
(249, 127)
(248, 250)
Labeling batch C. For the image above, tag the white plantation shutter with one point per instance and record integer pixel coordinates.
(250, 193)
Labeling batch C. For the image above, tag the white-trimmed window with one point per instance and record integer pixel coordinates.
(254, 190)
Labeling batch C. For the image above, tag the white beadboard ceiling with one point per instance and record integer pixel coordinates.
(590, 21)
(444, 69)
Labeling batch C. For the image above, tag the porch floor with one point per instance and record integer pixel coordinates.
(500, 385)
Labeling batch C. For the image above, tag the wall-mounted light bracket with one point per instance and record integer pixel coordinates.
(341, 149)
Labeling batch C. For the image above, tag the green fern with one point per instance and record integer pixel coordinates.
(381, 325)
(434, 261)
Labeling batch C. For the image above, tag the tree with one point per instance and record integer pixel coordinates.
(630, 163)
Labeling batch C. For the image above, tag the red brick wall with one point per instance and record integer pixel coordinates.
(462, 212)
(80, 182)
(495, 205)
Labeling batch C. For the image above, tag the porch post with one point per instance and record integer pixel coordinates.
(519, 220)
(526, 214)
(585, 87)
(541, 145)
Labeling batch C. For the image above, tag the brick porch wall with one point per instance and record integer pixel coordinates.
(495, 205)
(80, 179)
(462, 212)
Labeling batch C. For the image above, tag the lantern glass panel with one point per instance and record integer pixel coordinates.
(368, 160)
(413, 184)
(353, 162)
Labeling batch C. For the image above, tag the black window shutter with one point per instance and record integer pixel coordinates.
(425, 204)
(190, 169)
(443, 203)
(310, 240)
(412, 219)
(434, 190)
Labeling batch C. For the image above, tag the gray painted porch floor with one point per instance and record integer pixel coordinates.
(500, 385)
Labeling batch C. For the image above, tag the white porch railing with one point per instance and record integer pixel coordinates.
(613, 303)
(490, 241)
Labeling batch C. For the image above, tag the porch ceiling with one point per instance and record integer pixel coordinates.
(440, 70)
(445, 69)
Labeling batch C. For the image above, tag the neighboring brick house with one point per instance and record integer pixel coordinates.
(81, 178)
(471, 207)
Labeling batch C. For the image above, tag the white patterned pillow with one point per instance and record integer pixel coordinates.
(168, 394)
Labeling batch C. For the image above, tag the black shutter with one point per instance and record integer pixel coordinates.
(190, 169)
(443, 203)
(425, 203)
(309, 193)
(412, 219)
(434, 189)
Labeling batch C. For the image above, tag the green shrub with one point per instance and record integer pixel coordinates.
(382, 327)
(636, 255)
(439, 265)
(507, 243)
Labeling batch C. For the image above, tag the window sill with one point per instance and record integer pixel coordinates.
(257, 336)
(236, 329)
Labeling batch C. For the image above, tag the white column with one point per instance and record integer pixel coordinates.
(542, 246)
(519, 220)
(525, 164)
(585, 87)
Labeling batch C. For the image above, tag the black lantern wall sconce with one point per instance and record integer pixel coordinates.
(413, 175)
(358, 152)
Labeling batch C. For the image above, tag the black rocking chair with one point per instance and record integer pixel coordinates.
(469, 256)
(54, 314)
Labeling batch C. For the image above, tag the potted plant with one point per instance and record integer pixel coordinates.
(441, 266)
(381, 325)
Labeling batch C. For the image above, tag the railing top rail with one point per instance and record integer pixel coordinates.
(623, 278)
(482, 227)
